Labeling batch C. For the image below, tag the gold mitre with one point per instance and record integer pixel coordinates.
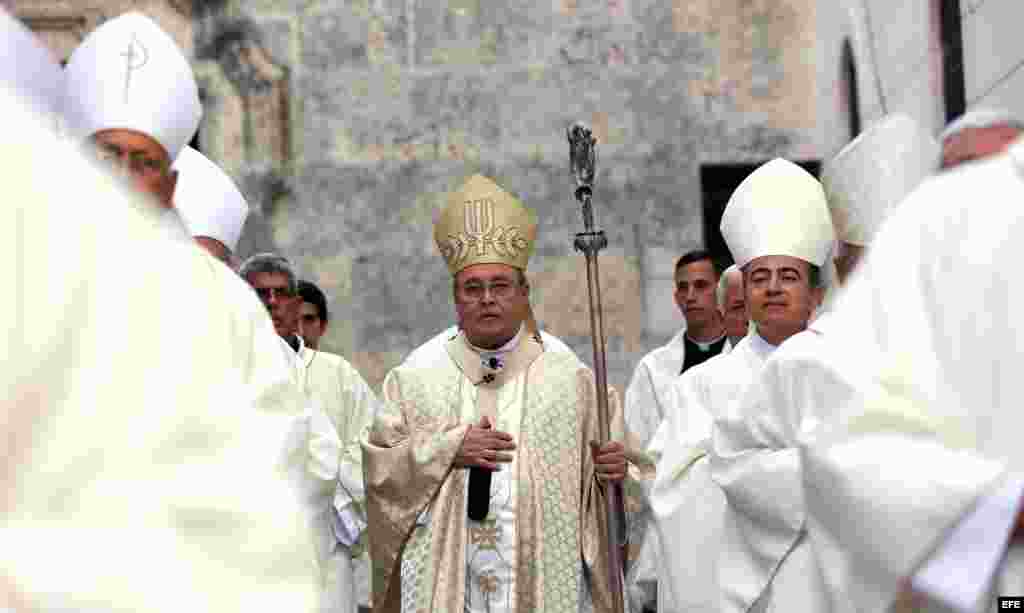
(484, 224)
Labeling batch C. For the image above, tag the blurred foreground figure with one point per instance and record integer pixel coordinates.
(136, 474)
(918, 477)
(136, 118)
(978, 134)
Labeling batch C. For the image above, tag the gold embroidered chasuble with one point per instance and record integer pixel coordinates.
(416, 499)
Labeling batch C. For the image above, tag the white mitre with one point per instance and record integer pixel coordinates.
(874, 173)
(28, 68)
(208, 200)
(780, 209)
(129, 74)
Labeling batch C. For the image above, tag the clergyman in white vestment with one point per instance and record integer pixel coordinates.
(137, 117)
(777, 227)
(137, 474)
(764, 557)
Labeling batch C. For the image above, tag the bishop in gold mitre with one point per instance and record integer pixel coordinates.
(484, 488)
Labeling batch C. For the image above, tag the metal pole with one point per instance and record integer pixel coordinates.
(583, 159)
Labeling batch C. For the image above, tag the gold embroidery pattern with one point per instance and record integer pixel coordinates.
(480, 235)
(485, 535)
(427, 403)
(551, 425)
(422, 416)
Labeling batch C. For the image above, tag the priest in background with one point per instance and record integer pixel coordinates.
(210, 204)
(342, 407)
(314, 316)
(777, 227)
(701, 338)
(916, 482)
(732, 305)
(484, 481)
(765, 561)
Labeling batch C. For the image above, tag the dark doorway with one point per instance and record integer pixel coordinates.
(718, 182)
(848, 78)
(954, 90)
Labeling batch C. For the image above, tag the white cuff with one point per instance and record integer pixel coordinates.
(348, 525)
(961, 570)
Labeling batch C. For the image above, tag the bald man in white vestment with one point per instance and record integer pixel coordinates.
(136, 474)
(777, 227)
(978, 134)
(918, 479)
(765, 561)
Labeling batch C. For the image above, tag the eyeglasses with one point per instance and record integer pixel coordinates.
(265, 293)
(474, 291)
(137, 162)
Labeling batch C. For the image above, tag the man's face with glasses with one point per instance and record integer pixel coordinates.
(282, 302)
(491, 303)
(140, 160)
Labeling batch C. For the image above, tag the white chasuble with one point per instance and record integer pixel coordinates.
(542, 546)
(688, 506)
(646, 401)
(137, 474)
(765, 557)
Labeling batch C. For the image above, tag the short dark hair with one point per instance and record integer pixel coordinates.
(269, 263)
(311, 293)
(814, 278)
(698, 255)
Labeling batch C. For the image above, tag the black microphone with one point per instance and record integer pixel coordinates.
(479, 489)
(479, 493)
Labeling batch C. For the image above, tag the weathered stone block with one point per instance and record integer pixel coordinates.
(475, 33)
(354, 34)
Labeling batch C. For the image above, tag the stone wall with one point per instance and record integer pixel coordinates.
(348, 121)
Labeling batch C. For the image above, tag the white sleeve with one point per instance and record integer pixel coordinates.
(961, 570)
(348, 525)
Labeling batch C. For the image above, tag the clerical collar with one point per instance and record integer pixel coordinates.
(706, 346)
(759, 345)
(494, 359)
